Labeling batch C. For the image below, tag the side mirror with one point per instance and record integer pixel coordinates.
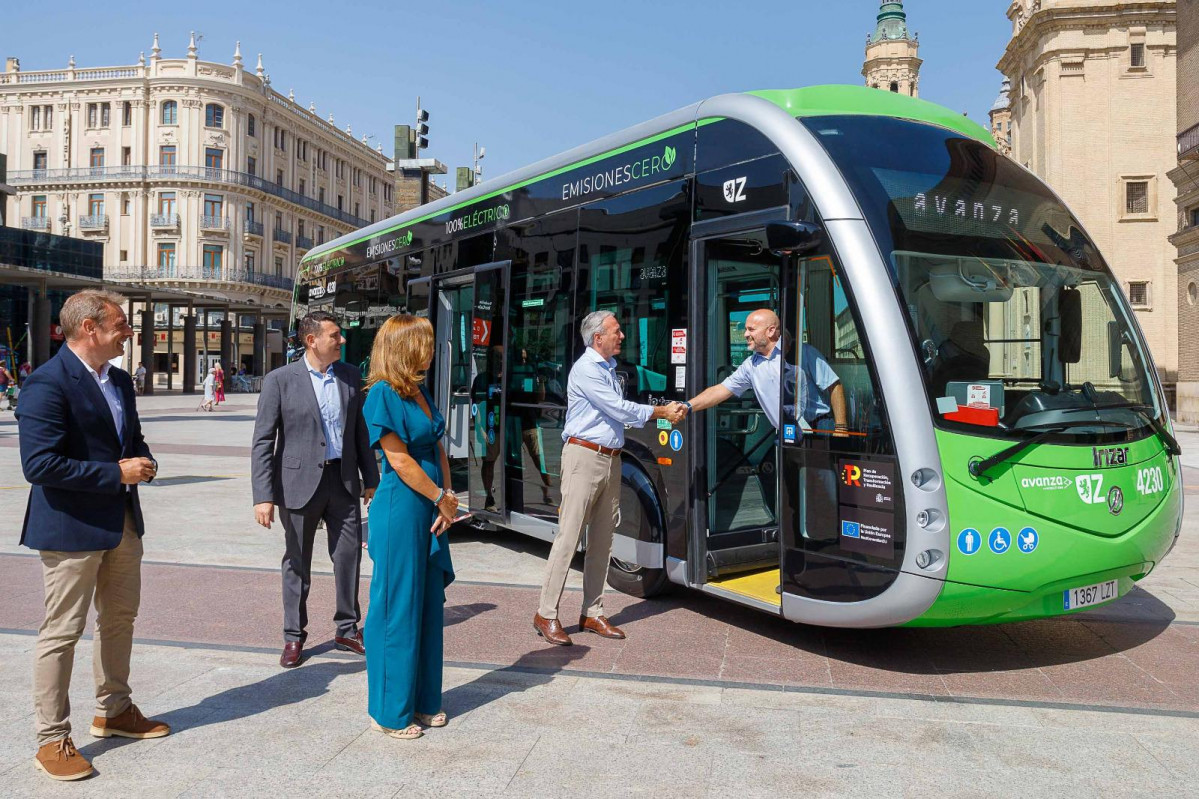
(1069, 310)
(793, 238)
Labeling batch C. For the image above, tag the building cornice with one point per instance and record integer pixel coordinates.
(1057, 19)
(160, 76)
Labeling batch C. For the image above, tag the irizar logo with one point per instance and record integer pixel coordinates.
(1051, 483)
(1090, 488)
(734, 190)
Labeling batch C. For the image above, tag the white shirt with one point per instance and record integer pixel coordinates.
(111, 395)
(596, 409)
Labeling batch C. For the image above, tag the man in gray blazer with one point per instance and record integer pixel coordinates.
(312, 457)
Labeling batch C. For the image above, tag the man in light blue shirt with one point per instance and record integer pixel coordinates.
(596, 417)
(328, 399)
(820, 389)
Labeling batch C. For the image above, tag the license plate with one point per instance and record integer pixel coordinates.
(1088, 595)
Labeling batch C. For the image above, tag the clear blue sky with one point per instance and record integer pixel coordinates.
(527, 79)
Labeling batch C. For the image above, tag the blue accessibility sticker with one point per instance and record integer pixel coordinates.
(1000, 540)
(1027, 540)
(969, 541)
(676, 440)
(491, 436)
(851, 529)
(788, 434)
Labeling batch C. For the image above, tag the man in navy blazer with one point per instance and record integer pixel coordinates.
(83, 452)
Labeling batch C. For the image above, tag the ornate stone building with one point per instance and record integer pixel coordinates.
(1001, 118)
(1185, 177)
(1092, 98)
(892, 53)
(195, 175)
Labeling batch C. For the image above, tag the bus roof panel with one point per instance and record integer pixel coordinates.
(836, 100)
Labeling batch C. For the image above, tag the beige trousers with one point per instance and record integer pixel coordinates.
(591, 498)
(72, 579)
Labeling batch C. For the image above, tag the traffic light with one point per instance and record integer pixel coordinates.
(422, 129)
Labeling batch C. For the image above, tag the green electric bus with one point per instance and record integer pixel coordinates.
(1002, 449)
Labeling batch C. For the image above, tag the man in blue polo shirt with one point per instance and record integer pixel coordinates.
(821, 394)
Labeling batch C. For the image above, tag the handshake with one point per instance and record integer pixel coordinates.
(674, 412)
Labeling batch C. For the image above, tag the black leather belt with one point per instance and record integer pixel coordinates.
(332, 461)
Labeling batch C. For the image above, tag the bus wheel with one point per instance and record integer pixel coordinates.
(638, 514)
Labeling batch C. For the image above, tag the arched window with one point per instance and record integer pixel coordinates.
(895, 87)
(214, 115)
(170, 112)
(250, 126)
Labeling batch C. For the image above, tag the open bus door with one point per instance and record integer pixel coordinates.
(470, 325)
(734, 533)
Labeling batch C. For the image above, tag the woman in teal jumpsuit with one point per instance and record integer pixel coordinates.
(410, 550)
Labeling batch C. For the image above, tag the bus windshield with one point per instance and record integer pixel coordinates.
(1018, 321)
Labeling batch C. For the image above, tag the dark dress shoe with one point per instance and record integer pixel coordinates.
(551, 630)
(600, 626)
(351, 644)
(291, 654)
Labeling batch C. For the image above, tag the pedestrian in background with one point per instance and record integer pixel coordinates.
(219, 384)
(408, 520)
(311, 457)
(83, 452)
(596, 416)
(209, 391)
(139, 378)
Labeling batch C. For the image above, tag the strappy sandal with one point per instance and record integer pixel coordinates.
(409, 733)
(438, 719)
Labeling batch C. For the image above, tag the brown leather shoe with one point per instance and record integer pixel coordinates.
(600, 626)
(291, 654)
(551, 630)
(60, 760)
(352, 644)
(130, 724)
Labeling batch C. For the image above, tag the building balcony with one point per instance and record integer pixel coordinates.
(283, 236)
(164, 221)
(35, 222)
(214, 223)
(176, 173)
(253, 228)
(210, 274)
(1188, 144)
(94, 222)
(303, 243)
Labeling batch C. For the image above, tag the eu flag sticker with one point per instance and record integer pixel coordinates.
(851, 529)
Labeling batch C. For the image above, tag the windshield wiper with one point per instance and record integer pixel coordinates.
(980, 468)
(1145, 412)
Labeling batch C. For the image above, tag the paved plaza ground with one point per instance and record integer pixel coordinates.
(704, 698)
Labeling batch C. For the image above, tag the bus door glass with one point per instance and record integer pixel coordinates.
(841, 515)
(454, 373)
(488, 335)
(740, 442)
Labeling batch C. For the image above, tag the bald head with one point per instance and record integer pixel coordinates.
(762, 331)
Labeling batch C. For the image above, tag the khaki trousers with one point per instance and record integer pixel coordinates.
(72, 579)
(591, 498)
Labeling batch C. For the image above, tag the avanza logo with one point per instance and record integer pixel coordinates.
(1051, 483)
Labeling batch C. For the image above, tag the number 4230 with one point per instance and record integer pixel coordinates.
(1150, 481)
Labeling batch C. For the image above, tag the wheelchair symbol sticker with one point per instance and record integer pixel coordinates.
(1000, 540)
(969, 541)
(1028, 539)
(676, 440)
